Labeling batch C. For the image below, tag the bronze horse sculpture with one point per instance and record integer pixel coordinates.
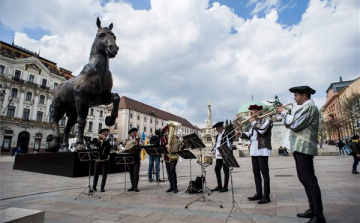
(92, 87)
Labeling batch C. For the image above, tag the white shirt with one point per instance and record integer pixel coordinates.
(218, 143)
(254, 147)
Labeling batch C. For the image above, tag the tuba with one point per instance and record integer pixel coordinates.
(173, 141)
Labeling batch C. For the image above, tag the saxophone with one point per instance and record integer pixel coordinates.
(173, 141)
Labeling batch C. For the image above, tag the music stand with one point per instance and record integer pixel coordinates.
(124, 159)
(195, 142)
(88, 155)
(230, 161)
(156, 150)
(187, 154)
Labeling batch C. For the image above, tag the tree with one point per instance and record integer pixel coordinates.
(350, 111)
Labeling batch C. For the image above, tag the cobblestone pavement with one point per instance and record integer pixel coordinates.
(55, 195)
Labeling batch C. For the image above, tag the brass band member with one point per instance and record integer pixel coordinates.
(104, 145)
(304, 127)
(260, 150)
(169, 163)
(220, 139)
(135, 150)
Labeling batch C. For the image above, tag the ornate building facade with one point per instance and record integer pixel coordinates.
(27, 84)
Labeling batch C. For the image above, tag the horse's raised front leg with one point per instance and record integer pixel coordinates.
(82, 108)
(70, 123)
(110, 120)
(57, 112)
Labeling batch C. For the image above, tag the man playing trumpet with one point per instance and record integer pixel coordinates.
(260, 150)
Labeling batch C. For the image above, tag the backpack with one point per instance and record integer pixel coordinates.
(348, 150)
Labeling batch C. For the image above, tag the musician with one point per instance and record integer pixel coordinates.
(221, 138)
(169, 163)
(260, 150)
(304, 126)
(104, 144)
(134, 169)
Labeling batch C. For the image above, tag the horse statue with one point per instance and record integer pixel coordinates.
(92, 87)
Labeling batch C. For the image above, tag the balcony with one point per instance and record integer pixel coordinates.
(18, 79)
(32, 84)
(44, 87)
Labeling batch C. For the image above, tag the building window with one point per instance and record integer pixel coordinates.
(6, 143)
(44, 82)
(26, 114)
(39, 116)
(2, 69)
(150, 130)
(90, 126)
(55, 85)
(31, 78)
(138, 118)
(17, 74)
(144, 119)
(115, 126)
(130, 115)
(91, 111)
(101, 113)
(144, 129)
(11, 111)
(100, 126)
(130, 126)
(151, 120)
(14, 92)
(37, 144)
(28, 96)
(42, 99)
(137, 126)
(63, 121)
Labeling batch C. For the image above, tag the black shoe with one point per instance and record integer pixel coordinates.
(94, 189)
(151, 180)
(131, 189)
(170, 189)
(255, 197)
(264, 200)
(176, 190)
(157, 181)
(102, 190)
(316, 219)
(136, 189)
(216, 188)
(224, 189)
(355, 172)
(307, 214)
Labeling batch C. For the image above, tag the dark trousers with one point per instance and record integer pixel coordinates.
(171, 171)
(134, 170)
(260, 164)
(104, 167)
(356, 162)
(306, 174)
(220, 164)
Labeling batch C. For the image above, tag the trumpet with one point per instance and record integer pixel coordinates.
(288, 106)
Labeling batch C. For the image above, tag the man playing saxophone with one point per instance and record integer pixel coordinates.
(260, 150)
(132, 145)
(171, 159)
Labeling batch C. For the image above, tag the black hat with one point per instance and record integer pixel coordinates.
(133, 130)
(303, 89)
(355, 137)
(218, 124)
(103, 130)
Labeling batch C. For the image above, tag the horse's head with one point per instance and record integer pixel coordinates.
(106, 40)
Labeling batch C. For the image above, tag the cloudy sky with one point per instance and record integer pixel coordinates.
(176, 55)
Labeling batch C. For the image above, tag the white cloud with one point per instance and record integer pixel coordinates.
(181, 53)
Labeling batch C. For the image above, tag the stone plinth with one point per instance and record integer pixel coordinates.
(21, 215)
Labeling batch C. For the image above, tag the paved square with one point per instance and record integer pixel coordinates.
(55, 195)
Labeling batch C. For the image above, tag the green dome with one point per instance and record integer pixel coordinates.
(244, 107)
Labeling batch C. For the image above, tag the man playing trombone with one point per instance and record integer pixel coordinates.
(304, 127)
(260, 150)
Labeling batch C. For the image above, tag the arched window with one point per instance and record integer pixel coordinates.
(42, 99)
(28, 96)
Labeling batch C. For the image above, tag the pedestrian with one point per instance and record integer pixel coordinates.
(304, 127)
(154, 140)
(355, 149)
(341, 147)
